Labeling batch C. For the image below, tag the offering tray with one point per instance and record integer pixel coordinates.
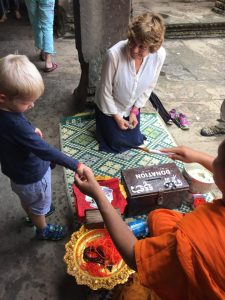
(75, 260)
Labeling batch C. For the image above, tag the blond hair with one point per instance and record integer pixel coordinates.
(19, 78)
(147, 28)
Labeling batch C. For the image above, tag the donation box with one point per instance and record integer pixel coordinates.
(151, 187)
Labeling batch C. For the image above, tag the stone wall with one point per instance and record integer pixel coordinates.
(98, 25)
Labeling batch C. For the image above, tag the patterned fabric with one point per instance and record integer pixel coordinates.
(78, 140)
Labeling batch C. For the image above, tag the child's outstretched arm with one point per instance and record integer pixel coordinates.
(189, 155)
(120, 233)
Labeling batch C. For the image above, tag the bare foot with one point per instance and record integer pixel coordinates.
(48, 61)
(3, 18)
(18, 15)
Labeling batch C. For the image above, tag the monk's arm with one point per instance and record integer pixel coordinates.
(120, 233)
(189, 155)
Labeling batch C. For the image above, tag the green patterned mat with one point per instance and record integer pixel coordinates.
(78, 140)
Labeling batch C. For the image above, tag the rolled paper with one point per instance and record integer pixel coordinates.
(155, 151)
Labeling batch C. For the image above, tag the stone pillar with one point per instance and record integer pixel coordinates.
(98, 25)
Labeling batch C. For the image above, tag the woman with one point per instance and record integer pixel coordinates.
(41, 15)
(129, 74)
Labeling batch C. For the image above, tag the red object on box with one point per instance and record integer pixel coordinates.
(198, 201)
(83, 202)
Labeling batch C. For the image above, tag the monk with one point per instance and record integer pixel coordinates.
(184, 259)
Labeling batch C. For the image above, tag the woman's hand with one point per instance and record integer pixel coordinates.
(133, 120)
(122, 124)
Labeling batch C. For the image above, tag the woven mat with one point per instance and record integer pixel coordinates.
(78, 140)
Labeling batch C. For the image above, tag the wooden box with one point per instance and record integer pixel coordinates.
(154, 187)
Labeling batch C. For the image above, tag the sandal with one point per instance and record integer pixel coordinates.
(51, 232)
(52, 68)
(212, 131)
(169, 122)
(184, 124)
(174, 117)
(173, 114)
(3, 18)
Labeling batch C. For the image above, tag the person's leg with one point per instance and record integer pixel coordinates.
(46, 13)
(16, 7)
(36, 200)
(45, 231)
(219, 128)
(15, 4)
(3, 17)
(162, 220)
(7, 5)
(221, 121)
(37, 220)
(33, 13)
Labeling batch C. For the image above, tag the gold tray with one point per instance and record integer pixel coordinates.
(74, 259)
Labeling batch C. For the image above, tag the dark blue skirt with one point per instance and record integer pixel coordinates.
(111, 138)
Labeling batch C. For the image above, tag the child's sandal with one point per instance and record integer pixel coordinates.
(51, 232)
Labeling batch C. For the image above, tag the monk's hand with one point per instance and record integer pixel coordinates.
(87, 184)
(38, 132)
(122, 124)
(80, 169)
(133, 120)
(182, 153)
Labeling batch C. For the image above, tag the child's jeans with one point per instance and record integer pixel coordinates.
(41, 15)
(37, 196)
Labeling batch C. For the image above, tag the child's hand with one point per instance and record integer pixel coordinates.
(38, 132)
(87, 183)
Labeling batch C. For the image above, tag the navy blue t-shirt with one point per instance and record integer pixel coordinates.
(24, 155)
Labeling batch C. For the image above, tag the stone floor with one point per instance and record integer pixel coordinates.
(192, 81)
(176, 12)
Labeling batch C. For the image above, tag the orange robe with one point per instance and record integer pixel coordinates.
(185, 258)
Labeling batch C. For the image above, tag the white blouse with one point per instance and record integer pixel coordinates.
(120, 86)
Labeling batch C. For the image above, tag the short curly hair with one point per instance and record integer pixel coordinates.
(147, 28)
